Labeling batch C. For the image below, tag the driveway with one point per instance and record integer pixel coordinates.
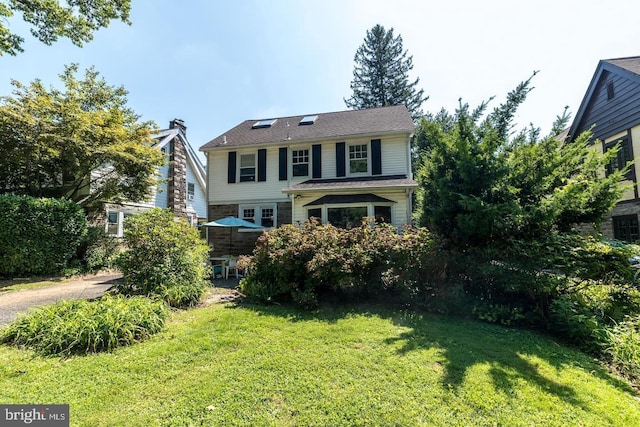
(14, 302)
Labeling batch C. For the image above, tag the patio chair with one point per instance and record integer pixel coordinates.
(232, 266)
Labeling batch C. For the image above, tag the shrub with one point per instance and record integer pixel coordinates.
(99, 250)
(80, 326)
(38, 236)
(622, 343)
(165, 257)
(301, 263)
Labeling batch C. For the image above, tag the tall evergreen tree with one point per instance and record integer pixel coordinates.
(380, 76)
(482, 183)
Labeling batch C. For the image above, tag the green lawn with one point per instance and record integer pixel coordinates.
(252, 365)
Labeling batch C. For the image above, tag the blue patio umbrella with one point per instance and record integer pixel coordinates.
(230, 222)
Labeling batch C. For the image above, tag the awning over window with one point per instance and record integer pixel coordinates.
(341, 199)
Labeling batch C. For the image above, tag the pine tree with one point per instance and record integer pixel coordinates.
(380, 75)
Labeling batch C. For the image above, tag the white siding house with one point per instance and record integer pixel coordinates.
(337, 167)
(182, 186)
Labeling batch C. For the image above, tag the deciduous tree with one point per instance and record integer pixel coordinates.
(76, 20)
(81, 143)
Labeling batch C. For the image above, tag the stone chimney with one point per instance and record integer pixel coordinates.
(178, 123)
(177, 185)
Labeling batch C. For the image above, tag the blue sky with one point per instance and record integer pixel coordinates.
(214, 64)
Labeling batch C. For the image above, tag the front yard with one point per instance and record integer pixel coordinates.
(362, 365)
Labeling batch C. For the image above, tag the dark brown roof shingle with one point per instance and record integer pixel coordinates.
(327, 125)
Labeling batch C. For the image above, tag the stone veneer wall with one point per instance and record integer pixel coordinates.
(623, 208)
(230, 241)
(177, 185)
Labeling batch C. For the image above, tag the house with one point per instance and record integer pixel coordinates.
(182, 187)
(337, 167)
(611, 106)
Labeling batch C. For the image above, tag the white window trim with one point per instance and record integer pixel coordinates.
(369, 205)
(309, 162)
(191, 195)
(258, 214)
(348, 166)
(120, 222)
(255, 166)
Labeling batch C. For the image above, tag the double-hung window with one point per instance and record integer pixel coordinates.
(300, 162)
(264, 215)
(358, 159)
(191, 190)
(247, 167)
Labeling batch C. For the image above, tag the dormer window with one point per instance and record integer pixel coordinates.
(261, 124)
(308, 120)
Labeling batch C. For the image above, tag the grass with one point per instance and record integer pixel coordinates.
(252, 365)
(22, 284)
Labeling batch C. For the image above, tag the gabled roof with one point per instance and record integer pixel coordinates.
(383, 120)
(165, 136)
(628, 68)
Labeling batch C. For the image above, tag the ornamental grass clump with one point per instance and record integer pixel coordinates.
(80, 326)
(623, 347)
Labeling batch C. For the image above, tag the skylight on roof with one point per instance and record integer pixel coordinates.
(308, 120)
(267, 123)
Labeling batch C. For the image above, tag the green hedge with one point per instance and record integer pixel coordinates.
(38, 235)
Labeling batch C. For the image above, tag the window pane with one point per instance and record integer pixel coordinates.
(267, 217)
(382, 214)
(191, 188)
(315, 213)
(249, 215)
(300, 161)
(626, 228)
(247, 160)
(358, 158)
(346, 217)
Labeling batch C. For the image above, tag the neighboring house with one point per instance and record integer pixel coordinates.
(338, 167)
(612, 107)
(183, 186)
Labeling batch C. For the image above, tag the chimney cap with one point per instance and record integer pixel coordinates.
(178, 123)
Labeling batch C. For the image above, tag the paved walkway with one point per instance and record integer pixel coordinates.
(14, 302)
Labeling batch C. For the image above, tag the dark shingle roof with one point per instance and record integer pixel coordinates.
(631, 64)
(328, 125)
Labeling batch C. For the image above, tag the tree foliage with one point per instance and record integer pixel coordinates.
(481, 182)
(380, 76)
(76, 20)
(166, 257)
(81, 143)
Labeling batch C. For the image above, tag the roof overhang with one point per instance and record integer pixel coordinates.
(349, 185)
(341, 199)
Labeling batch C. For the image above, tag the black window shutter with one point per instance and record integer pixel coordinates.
(316, 154)
(282, 163)
(340, 159)
(376, 157)
(231, 170)
(262, 164)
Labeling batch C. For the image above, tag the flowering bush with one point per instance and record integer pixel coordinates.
(302, 263)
